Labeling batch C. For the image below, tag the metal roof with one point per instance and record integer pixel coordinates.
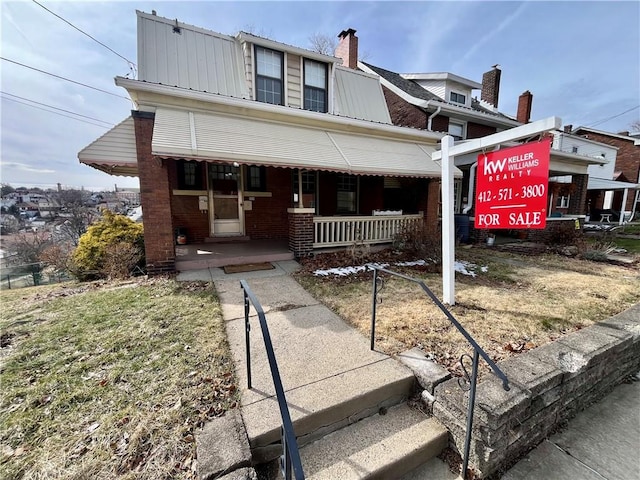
(359, 95)
(604, 184)
(114, 152)
(228, 138)
(181, 55)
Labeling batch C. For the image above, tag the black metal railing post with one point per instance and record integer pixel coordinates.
(472, 401)
(373, 307)
(247, 331)
(290, 459)
(477, 353)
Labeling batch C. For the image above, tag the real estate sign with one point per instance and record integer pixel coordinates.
(511, 187)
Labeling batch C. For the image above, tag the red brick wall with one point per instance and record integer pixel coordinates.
(432, 205)
(268, 218)
(155, 196)
(185, 212)
(403, 113)
(371, 194)
(627, 159)
(300, 233)
(475, 130)
(440, 123)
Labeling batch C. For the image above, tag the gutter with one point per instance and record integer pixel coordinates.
(432, 116)
(472, 182)
(257, 109)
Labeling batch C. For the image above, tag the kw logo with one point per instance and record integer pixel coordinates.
(491, 168)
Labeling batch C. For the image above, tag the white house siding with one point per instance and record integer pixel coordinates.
(294, 88)
(437, 87)
(191, 58)
(588, 148)
(359, 95)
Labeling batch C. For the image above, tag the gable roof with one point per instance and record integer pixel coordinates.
(629, 138)
(419, 96)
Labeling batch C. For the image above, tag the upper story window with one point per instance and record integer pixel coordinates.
(456, 130)
(269, 76)
(315, 86)
(457, 98)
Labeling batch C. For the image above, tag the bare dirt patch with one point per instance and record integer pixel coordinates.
(518, 303)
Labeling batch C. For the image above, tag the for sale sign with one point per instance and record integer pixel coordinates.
(511, 187)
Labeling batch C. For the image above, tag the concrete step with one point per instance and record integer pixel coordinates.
(378, 447)
(330, 376)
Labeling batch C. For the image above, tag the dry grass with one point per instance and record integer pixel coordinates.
(110, 380)
(518, 304)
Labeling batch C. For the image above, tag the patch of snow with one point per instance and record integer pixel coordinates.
(462, 267)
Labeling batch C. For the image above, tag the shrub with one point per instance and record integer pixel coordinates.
(420, 241)
(108, 246)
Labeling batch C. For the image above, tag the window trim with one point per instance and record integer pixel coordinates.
(258, 75)
(314, 88)
(463, 95)
(263, 179)
(461, 124)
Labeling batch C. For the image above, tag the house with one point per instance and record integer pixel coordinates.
(445, 102)
(617, 189)
(240, 138)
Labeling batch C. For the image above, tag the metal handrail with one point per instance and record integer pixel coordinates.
(477, 351)
(290, 462)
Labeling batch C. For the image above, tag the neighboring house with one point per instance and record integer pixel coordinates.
(244, 137)
(128, 195)
(444, 102)
(616, 189)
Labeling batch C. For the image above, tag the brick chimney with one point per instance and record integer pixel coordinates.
(347, 49)
(491, 86)
(524, 107)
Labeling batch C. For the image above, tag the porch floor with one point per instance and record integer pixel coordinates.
(204, 255)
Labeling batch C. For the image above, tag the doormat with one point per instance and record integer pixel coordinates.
(249, 267)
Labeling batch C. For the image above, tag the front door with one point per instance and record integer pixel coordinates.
(225, 185)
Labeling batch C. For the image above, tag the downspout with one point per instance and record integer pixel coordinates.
(432, 116)
(472, 182)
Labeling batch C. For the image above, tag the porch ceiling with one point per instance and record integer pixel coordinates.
(228, 138)
(604, 184)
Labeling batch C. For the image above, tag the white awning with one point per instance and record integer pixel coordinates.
(229, 138)
(114, 152)
(604, 184)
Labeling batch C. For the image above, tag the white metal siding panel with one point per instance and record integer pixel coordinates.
(115, 150)
(190, 59)
(359, 96)
(227, 138)
(294, 81)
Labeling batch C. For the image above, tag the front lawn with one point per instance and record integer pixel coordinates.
(110, 380)
(517, 303)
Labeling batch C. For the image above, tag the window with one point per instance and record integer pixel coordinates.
(256, 179)
(456, 130)
(269, 76)
(315, 86)
(189, 175)
(309, 182)
(563, 201)
(457, 98)
(347, 193)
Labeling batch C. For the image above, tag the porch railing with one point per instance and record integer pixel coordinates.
(478, 352)
(344, 231)
(290, 462)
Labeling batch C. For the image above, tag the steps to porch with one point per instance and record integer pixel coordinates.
(347, 403)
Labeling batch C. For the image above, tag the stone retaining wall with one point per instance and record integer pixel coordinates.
(549, 385)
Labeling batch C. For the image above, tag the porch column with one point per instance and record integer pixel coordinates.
(301, 231)
(578, 199)
(155, 198)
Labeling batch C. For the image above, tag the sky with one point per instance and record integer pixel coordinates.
(579, 59)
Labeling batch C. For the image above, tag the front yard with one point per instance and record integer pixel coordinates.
(516, 303)
(110, 380)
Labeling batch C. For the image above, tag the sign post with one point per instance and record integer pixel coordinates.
(511, 187)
